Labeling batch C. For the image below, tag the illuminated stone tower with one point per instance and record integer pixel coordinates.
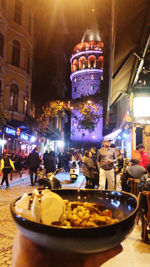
(86, 76)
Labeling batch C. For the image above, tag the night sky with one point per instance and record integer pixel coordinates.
(60, 25)
(52, 39)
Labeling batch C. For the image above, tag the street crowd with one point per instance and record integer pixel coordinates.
(103, 169)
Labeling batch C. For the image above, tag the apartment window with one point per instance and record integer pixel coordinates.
(92, 87)
(92, 77)
(1, 44)
(14, 92)
(75, 89)
(16, 53)
(18, 11)
(25, 105)
(1, 92)
(28, 63)
(3, 4)
(30, 23)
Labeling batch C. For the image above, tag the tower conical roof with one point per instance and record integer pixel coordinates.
(91, 34)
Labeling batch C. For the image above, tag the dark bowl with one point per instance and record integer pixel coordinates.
(123, 205)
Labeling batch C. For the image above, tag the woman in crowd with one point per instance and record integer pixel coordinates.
(50, 164)
(6, 167)
(118, 169)
(88, 167)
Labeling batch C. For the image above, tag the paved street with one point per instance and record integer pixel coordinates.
(17, 187)
(135, 253)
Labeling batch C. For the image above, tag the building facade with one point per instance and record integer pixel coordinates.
(86, 77)
(16, 49)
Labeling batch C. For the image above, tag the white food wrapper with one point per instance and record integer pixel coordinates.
(52, 208)
(36, 209)
(36, 192)
(23, 202)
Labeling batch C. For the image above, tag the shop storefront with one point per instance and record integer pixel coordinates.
(17, 141)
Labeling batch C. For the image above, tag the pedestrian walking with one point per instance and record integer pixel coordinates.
(88, 167)
(118, 169)
(45, 157)
(6, 167)
(50, 164)
(34, 164)
(106, 158)
(144, 161)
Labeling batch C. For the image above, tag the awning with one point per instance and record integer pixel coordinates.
(113, 135)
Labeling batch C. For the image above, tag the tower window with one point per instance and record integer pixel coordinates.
(92, 87)
(1, 44)
(92, 77)
(16, 53)
(18, 12)
(75, 79)
(75, 89)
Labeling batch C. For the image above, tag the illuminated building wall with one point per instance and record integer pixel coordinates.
(86, 77)
(16, 51)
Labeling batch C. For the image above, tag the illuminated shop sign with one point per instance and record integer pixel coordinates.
(24, 136)
(10, 131)
(18, 133)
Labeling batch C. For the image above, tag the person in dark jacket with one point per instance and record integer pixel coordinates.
(45, 157)
(34, 164)
(133, 170)
(50, 164)
(88, 167)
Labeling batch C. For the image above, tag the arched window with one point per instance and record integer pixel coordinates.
(16, 50)
(100, 62)
(75, 65)
(3, 4)
(14, 92)
(1, 44)
(91, 62)
(18, 11)
(82, 63)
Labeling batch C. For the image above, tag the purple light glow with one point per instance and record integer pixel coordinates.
(93, 137)
(89, 71)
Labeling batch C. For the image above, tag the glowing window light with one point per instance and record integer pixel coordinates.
(33, 138)
(2, 142)
(141, 107)
(60, 143)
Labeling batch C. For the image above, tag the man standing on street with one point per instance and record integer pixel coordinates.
(106, 157)
(144, 161)
(33, 163)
